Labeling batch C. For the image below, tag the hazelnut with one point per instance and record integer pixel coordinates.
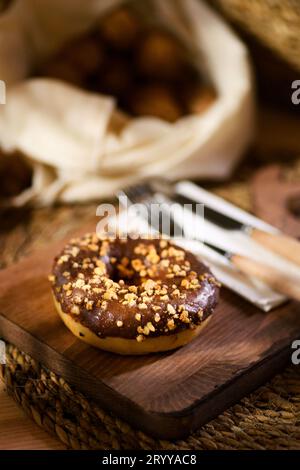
(155, 100)
(120, 28)
(200, 99)
(160, 55)
(86, 54)
(116, 77)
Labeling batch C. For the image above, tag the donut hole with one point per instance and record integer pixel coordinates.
(122, 270)
(125, 274)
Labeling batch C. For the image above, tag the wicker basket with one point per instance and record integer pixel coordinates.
(275, 23)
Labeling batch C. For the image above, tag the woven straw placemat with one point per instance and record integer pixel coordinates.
(267, 419)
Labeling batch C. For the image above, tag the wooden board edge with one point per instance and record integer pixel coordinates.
(104, 396)
(172, 426)
(231, 392)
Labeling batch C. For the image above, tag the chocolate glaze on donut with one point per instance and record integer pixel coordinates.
(132, 289)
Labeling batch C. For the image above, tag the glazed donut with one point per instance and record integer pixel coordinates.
(132, 296)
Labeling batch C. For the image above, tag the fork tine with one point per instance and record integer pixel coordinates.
(143, 193)
(136, 193)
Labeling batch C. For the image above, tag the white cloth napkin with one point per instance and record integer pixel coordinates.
(70, 137)
(252, 289)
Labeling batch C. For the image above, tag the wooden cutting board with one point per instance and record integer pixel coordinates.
(166, 395)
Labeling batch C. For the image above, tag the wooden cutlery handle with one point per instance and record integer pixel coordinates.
(283, 245)
(274, 279)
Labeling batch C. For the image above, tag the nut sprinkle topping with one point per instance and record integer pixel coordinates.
(139, 289)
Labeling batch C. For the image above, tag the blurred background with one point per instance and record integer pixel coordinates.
(151, 71)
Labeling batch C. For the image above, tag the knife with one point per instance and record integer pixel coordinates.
(279, 243)
(286, 285)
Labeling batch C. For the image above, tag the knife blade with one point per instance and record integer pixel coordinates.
(217, 218)
(279, 243)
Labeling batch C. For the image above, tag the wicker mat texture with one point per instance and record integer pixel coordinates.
(267, 419)
(274, 23)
